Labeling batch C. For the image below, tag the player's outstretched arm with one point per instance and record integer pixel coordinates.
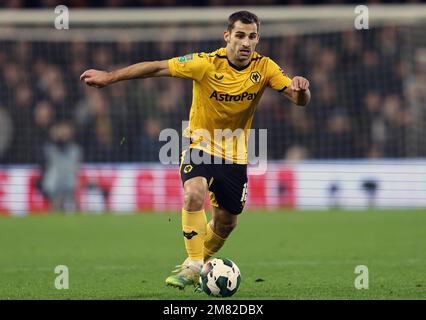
(298, 92)
(100, 79)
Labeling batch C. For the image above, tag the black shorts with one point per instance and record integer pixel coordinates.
(227, 182)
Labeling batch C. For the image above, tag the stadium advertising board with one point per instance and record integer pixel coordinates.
(145, 188)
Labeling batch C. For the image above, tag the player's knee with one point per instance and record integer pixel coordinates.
(194, 200)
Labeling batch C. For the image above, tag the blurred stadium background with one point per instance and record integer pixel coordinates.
(360, 143)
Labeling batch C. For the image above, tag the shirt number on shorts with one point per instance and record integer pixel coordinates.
(244, 195)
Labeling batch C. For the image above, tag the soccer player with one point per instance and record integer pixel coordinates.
(227, 86)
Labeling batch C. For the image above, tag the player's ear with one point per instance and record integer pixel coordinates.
(226, 36)
(257, 38)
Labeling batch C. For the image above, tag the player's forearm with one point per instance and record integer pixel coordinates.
(298, 92)
(100, 79)
(135, 71)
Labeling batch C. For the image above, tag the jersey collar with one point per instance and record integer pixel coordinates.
(237, 67)
(221, 53)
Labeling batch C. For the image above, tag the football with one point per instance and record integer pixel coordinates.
(220, 277)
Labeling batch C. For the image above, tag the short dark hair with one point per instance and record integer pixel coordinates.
(243, 16)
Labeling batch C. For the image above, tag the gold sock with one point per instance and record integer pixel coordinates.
(194, 226)
(212, 243)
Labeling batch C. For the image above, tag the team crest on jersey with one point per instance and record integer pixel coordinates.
(187, 57)
(187, 168)
(255, 77)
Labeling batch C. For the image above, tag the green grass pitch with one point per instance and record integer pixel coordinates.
(281, 254)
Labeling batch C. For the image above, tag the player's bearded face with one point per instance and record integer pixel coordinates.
(241, 41)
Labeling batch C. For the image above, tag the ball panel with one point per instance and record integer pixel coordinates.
(235, 287)
(234, 282)
(221, 283)
(203, 284)
(227, 262)
(211, 283)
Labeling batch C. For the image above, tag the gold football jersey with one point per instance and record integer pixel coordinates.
(224, 99)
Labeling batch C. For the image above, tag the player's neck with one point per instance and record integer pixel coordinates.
(235, 62)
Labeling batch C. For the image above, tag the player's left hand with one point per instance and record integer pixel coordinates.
(299, 83)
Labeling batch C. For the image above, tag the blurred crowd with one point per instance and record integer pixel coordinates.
(163, 3)
(357, 110)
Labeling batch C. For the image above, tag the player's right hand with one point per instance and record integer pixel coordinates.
(95, 78)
